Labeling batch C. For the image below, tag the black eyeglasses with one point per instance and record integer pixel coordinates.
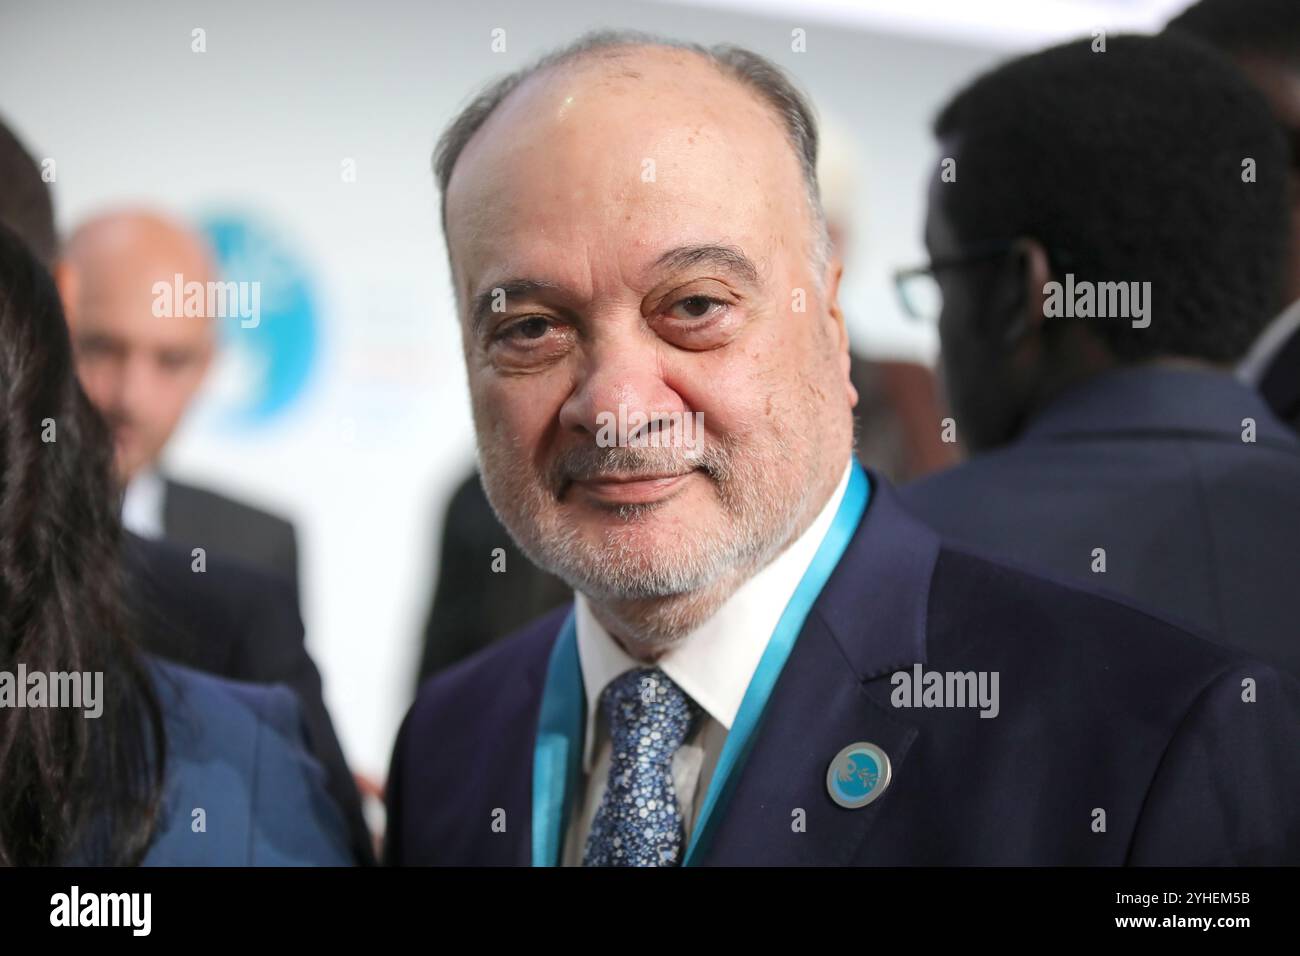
(918, 289)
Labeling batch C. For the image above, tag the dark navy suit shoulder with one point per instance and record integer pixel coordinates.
(1177, 488)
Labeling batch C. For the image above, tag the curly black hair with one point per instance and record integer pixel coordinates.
(1135, 162)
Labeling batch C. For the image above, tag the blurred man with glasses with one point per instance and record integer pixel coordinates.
(1117, 451)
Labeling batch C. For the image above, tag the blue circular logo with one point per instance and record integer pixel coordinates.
(274, 332)
(858, 775)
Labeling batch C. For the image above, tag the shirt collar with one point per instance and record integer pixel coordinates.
(142, 504)
(1151, 397)
(1276, 334)
(714, 663)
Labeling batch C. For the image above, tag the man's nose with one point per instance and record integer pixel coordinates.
(619, 379)
(135, 386)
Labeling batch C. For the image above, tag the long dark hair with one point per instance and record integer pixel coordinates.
(72, 787)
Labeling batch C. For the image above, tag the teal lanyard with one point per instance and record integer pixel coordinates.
(557, 755)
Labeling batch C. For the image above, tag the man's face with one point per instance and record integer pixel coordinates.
(1280, 84)
(621, 217)
(139, 370)
(977, 372)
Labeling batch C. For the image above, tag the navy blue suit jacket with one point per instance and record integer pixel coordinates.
(1148, 464)
(1103, 707)
(237, 752)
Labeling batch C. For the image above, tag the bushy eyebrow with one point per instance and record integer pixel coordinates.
(728, 259)
(482, 305)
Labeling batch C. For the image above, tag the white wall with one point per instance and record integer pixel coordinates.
(262, 121)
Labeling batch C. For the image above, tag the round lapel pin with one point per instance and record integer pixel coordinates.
(858, 775)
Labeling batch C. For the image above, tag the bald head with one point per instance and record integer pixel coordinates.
(652, 136)
(137, 241)
(140, 365)
(609, 52)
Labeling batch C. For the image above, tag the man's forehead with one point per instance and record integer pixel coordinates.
(636, 85)
(581, 162)
(615, 231)
(584, 258)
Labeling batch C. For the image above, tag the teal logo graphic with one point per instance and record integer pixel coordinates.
(858, 775)
(277, 355)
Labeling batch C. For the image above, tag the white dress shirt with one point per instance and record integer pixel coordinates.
(713, 664)
(142, 504)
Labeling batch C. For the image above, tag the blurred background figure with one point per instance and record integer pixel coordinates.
(483, 594)
(118, 788)
(142, 372)
(1111, 443)
(1263, 38)
(232, 620)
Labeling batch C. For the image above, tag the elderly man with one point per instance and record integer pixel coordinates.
(766, 661)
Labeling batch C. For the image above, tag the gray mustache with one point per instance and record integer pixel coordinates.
(585, 463)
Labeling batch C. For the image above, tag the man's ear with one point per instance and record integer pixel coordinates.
(834, 272)
(1022, 291)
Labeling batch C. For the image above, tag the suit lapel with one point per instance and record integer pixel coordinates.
(780, 813)
(869, 621)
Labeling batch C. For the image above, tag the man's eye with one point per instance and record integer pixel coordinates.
(533, 327)
(698, 306)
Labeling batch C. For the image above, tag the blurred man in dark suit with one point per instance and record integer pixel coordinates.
(1263, 38)
(1104, 259)
(216, 615)
(746, 594)
(142, 371)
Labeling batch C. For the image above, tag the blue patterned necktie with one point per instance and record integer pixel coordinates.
(639, 822)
